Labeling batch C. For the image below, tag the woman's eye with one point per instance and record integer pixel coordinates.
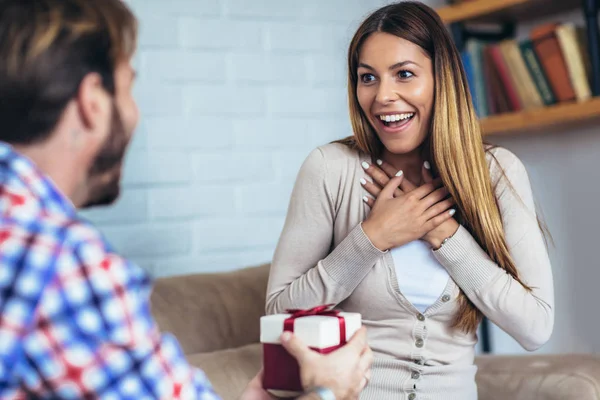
(367, 78)
(405, 74)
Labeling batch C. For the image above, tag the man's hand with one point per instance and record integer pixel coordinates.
(345, 371)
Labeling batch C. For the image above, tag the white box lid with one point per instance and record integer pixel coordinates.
(315, 331)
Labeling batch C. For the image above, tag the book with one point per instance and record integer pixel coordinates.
(590, 10)
(489, 80)
(573, 54)
(497, 92)
(537, 73)
(466, 60)
(505, 77)
(475, 50)
(547, 48)
(526, 90)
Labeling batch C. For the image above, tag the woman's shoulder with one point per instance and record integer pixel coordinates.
(334, 157)
(336, 152)
(328, 167)
(508, 174)
(502, 161)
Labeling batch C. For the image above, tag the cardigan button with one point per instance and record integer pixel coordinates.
(421, 317)
(446, 298)
(419, 343)
(412, 396)
(416, 375)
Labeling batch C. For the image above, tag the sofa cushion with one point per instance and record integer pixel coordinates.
(230, 370)
(209, 312)
(499, 377)
(549, 377)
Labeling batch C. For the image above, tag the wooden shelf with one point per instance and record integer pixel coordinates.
(562, 115)
(504, 10)
(559, 115)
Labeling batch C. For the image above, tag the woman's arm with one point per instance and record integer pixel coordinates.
(528, 316)
(306, 271)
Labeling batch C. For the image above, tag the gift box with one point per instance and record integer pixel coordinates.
(322, 329)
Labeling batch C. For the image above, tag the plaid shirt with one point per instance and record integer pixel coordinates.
(74, 316)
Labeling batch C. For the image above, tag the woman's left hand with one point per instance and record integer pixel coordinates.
(381, 177)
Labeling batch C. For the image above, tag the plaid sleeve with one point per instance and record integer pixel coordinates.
(94, 336)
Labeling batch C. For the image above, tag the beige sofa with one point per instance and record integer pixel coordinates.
(216, 319)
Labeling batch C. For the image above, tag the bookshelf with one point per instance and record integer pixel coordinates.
(504, 10)
(554, 116)
(514, 11)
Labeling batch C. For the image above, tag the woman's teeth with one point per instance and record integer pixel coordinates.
(391, 118)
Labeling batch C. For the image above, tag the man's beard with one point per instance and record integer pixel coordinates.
(104, 175)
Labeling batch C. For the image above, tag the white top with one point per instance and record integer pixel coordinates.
(421, 278)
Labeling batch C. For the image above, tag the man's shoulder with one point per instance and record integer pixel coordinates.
(47, 237)
(33, 253)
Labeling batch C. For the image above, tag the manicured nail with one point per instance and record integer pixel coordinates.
(286, 336)
(365, 165)
(427, 165)
(379, 162)
(399, 173)
(363, 181)
(366, 199)
(452, 212)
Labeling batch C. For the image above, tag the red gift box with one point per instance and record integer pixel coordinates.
(322, 329)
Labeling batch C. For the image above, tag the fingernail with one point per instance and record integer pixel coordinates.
(379, 162)
(286, 336)
(363, 181)
(452, 212)
(399, 173)
(365, 165)
(427, 165)
(366, 199)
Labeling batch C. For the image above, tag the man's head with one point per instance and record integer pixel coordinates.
(66, 79)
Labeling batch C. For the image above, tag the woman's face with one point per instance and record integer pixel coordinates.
(395, 91)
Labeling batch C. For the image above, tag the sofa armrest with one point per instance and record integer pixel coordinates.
(209, 312)
(539, 377)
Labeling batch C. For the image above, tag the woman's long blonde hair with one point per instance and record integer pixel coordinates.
(455, 144)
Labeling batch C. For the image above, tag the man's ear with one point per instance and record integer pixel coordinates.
(93, 103)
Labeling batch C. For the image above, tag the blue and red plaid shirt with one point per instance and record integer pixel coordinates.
(74, 316)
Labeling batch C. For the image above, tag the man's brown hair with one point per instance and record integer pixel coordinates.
(47, 47)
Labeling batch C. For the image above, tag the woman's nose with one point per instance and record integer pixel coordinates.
(386, 93)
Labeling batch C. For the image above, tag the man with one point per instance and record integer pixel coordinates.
(74, 316)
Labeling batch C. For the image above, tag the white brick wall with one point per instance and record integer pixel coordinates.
(228, 92)
(233, 95)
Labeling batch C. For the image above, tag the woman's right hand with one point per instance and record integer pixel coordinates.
(395, 221)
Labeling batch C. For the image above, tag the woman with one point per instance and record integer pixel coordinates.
(431, 257)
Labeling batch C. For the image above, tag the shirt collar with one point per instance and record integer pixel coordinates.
(37, 182)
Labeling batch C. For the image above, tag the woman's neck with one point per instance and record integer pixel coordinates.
(411, 164)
